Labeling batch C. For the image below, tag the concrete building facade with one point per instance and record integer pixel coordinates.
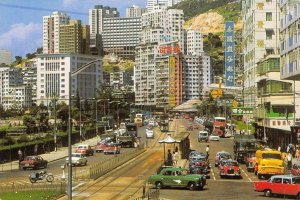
(5, 56)
(74, 38)
(135, 11)
(53, 76)
(121, 35)
(261, 38)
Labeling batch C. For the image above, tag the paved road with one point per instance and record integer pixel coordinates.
(217, 188)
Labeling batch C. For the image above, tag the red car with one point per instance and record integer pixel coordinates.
(33, 162)
(279, 184)
(229, 168)
(296, 169)
(85, 149)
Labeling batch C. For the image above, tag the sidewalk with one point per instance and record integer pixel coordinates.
(50, 157)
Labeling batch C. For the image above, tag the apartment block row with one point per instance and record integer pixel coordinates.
(271, 32)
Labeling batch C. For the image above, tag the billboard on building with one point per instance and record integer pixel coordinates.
(172, 78)
(229, 53)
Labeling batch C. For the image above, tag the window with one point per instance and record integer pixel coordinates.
(286, 181)
(269, 35)
(268, 16)
(277, 180)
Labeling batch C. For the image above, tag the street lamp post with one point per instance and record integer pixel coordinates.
(69, 188)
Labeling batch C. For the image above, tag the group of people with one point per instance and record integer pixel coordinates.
(172, 157)
(292, 152)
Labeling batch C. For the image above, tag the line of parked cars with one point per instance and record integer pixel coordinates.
(198, 164)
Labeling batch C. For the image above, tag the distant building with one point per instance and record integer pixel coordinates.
(74, 38)
(194, 42)
(53, 76)
(29, 73)
(135, 11)
(51, 27)
(169, 3)
(5, 56)
(121, 79)
(121, 35)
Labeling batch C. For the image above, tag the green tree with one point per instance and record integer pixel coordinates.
(18, 59)
(63, 115)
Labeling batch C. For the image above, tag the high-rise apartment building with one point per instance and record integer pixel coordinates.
(74, 38)
(261, 38)
(161, 41)
(5, 56)
(135, 11)
(51, 27)
(194, 42)
(120, 35)
(53, 76)
(96, 16)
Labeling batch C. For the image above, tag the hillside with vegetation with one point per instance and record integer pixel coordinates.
(209, 18)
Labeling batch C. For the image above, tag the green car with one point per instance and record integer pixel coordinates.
(177, 177)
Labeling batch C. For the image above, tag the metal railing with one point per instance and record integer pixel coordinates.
(60, 187)
(151, 194)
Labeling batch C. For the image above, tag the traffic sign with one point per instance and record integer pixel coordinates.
(214, 94)
(242, 111)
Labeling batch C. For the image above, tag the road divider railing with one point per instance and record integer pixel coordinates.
(13, 188)
(152, 194)
(99, 169)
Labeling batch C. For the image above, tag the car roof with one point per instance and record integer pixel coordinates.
(172, 168)
(285, 176)
(223, 152)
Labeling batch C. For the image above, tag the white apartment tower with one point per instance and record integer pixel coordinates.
(53, 76)
(261, 38)
(51, 26)
(194, 42)
(5, 57)
(135, 11)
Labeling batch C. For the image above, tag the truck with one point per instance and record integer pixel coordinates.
(242, 144)
(128, 137)
(268, 162)
(219, 126)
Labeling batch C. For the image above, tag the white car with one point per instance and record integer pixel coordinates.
(77, 159)
(149, 133)
(151, 123)
(214, 137)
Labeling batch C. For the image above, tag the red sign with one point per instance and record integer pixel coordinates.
(169, 49)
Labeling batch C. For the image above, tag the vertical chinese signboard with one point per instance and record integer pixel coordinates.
(229, 53)
(172, 85)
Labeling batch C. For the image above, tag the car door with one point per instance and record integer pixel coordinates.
(294, 187)
(276, 185)
(286, 183)
(166, 178)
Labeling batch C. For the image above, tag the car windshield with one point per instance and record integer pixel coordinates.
(82, 147)
(231, 164)
(30, 158)
(271, 156)
(214, 135)
(76, 155)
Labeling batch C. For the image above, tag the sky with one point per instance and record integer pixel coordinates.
(21, 20)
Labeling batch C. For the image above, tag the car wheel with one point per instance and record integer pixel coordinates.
(216, 165)
(50, 178)
(45, 166)
(248, 170)
(201, 185)
(298, 196)
(24, 168)
(85, 163)
(268, 193)
(255, 172)
(159, 185)
(192, 186)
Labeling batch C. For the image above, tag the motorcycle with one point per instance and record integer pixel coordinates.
(35, 176)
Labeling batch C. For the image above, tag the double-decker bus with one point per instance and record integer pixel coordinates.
(220, 126)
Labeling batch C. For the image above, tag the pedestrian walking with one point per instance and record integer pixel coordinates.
(207, 152)
(20, 154)
(289, 160)
(279, 148)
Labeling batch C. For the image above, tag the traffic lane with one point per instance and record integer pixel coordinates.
(224, 189)
(55, 167)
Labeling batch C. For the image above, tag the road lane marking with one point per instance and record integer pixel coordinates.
(213, 174)
(246, 175)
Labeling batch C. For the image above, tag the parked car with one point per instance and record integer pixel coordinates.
(112, 148)
(149, 133)
(177, 177)
(203, 136)
(214, 137)
(221, 155)
(77, 159)
(229, 168)
(296, 169)
(33, 162)
(85, 149)
(279, 184)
